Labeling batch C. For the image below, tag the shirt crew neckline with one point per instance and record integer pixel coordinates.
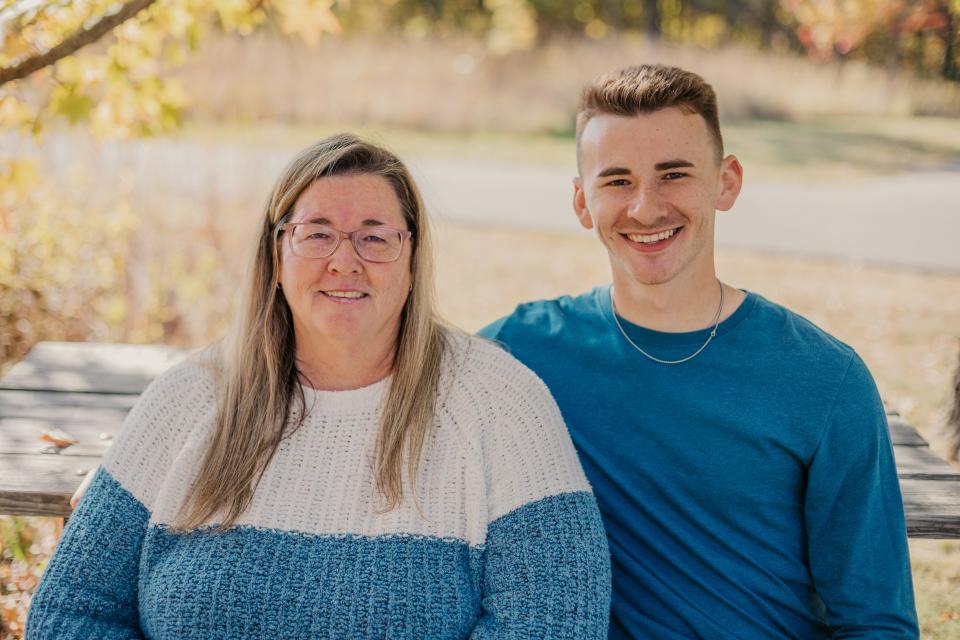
(644, 335)
(348, 401)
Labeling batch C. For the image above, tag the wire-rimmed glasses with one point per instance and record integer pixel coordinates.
(315, 240)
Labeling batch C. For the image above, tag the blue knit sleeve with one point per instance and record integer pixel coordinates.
(89, 588)
(857, 541)
(546, 572)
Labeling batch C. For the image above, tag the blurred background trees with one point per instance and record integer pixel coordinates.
(916, 35)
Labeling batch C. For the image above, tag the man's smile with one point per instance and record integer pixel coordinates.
(647, 242)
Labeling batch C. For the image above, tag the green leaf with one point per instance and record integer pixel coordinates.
(67, 100)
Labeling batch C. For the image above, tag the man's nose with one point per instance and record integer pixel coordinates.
(646, 204)
(345, 259)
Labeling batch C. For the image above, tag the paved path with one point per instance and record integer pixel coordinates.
(911, 219)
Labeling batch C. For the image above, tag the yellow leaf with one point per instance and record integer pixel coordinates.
(68, 101)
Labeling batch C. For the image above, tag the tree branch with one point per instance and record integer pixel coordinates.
(74, 42)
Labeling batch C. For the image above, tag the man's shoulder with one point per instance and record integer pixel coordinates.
(797, 333)
(538, 319)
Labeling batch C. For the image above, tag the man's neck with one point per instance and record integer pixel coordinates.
(676, 306)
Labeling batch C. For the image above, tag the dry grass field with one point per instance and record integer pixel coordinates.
(457, 84)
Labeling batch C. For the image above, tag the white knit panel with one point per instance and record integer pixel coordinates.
(169, 414)
(518, 430)
(322, 481)
(498, 443)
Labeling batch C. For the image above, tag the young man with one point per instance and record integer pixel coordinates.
(740, 454)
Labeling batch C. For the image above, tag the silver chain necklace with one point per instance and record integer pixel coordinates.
(713, 332)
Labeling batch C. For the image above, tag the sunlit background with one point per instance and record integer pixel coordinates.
(132, 172)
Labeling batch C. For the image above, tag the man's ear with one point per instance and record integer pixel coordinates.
(580, 204)
(731, 179)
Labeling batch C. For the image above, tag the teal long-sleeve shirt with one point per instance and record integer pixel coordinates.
(749, 493)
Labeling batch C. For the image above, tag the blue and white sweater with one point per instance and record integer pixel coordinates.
(507, 542)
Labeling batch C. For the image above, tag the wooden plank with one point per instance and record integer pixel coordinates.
(91, 367)
(932, 508)
(921, 463)
(902, 434)
(24, 415)
(41, 484)
(55, 405)
(44, 473)
(31, 503)
(22, 436)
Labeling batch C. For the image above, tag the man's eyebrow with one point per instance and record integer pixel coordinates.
(613, 171)
(673, 164)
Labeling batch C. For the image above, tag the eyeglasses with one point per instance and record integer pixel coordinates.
(313, 240)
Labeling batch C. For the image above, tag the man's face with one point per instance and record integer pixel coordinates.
(650, 185)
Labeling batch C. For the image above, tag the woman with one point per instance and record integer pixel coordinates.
(343, 466)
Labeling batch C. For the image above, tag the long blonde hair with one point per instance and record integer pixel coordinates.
(260, 398)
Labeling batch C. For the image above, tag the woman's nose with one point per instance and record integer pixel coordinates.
(345, 259)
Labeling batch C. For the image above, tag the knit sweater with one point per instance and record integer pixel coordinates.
(504, 539)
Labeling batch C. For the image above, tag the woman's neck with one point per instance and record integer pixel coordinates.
(342, 366)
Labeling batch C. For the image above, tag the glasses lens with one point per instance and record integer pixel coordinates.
(378, 245)
(314, 240)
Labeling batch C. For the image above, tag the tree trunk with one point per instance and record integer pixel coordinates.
(652, 13)
(950, 67)
(768, 22)
(614, 14)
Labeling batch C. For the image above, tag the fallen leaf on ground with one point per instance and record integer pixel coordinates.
(58, 438)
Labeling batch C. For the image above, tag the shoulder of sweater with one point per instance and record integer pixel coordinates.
(171, 407)
(199, 367)
(509, 423)
(195, 374)
(479, 362)
(489, 392)
(177, 406)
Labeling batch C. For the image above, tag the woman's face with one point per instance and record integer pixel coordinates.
(343, 298)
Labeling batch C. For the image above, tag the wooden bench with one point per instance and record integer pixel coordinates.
(86, 389)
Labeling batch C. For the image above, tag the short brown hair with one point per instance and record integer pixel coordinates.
(647, 88)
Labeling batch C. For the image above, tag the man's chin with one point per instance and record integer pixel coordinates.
(646, 278)
(627, 273)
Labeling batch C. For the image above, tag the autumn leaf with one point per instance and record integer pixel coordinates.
(58, 438)
(69, 101)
